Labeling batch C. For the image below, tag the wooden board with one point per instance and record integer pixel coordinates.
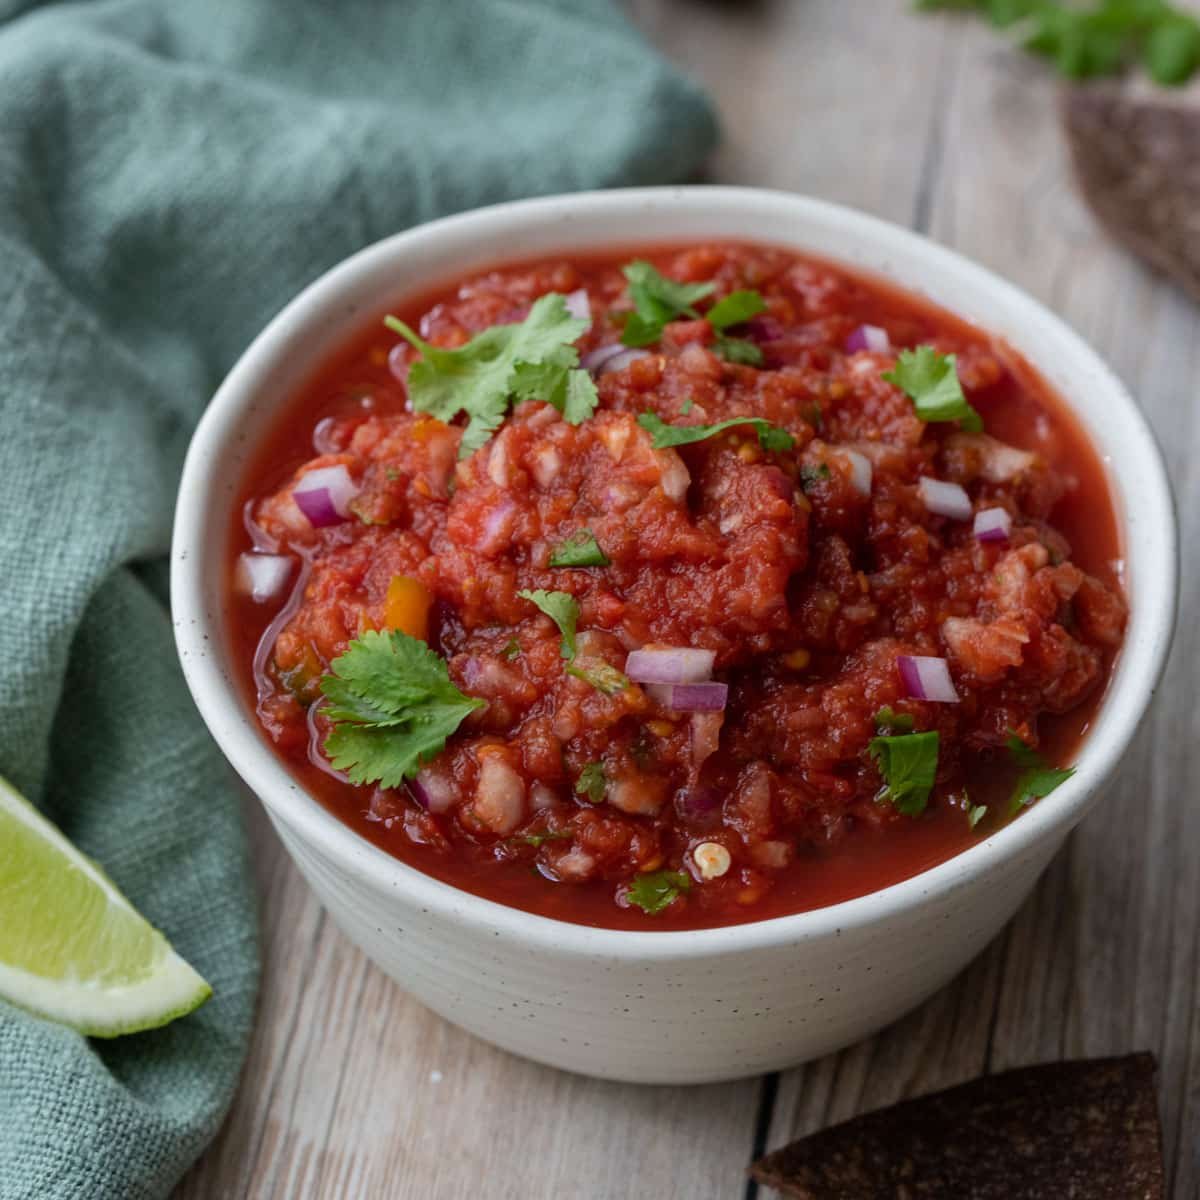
(354, 1090)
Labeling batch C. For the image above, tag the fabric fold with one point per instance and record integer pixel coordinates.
(170, 175)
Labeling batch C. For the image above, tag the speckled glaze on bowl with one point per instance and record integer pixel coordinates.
(672, 1007)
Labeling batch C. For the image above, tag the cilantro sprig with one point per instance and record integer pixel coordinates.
(736, 309)
(888, 720)
(563, 609)
(1100, 38)
(1037, 779)
(604, 677)
(930, 380)
(534, 359)
(657, 300)
(392, 706)
(580, 550)
(655, 890)
(662, 435)
(592, 782)
(908, 764)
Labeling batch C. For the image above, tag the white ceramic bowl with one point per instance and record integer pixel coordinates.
(663, 1007)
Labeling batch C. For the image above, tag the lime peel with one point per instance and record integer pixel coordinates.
(72, 947)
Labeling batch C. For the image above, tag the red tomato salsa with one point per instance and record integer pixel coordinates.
(607, 665)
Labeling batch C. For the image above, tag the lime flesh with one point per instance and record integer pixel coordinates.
(72, 948)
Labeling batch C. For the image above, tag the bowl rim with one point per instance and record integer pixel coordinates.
(197, 629)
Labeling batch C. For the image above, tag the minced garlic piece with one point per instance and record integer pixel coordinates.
(712, 860)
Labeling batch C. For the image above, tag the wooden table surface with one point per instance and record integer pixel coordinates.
(354, 1090)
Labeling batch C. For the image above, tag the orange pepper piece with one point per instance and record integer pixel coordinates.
(407, 606)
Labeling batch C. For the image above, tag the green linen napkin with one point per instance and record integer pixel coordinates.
(170, 175)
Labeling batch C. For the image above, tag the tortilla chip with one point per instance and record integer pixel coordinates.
(1087, 1130)
(1137, 160)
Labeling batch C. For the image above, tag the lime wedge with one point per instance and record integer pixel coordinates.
(72, 948)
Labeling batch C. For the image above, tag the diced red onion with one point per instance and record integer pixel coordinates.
(1002, 463)
(260, 539)
(674, 478)
(398, 362)
(670, 664)
(324, 495)
(698, 801)
(595, 359)
(927, 678)
(611, 358)
(993, 525)
(998, 461)
(861, 471)
(497, 527)
(432, 791)
(690, 697)
(945, 499)
(542, 797)
(578, 304)
(699, 360)
(262, 577)
(765, 328)
(321, 439)
(869, 337)
(499, 801)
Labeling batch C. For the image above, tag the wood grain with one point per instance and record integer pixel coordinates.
(354, 1090)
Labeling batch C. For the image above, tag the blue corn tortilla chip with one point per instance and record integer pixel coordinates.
(1072, 1129)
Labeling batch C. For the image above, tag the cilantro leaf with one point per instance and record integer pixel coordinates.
(572, 392)
(1172, 50)
(512, 650)
(655, 890)
(908, 764)
(656, 301)
(563, 609)
(1099, 38)
(1079, 47)
(930, 381)
(386, 672)
(592, 782)
(604, 677)
(662, 435)
(735, 309)
(580, 399)
(388, 754)
(580, 550)
(1037, 779)
(887, 720)
(346, 705)
(738, 350)
(532, 359)
(392, 705)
